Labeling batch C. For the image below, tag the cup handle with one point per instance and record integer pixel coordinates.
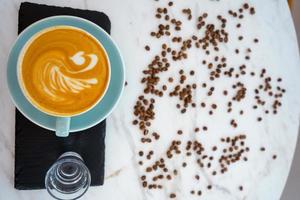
(62, 126)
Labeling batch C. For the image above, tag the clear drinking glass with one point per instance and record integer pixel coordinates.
(68, 178)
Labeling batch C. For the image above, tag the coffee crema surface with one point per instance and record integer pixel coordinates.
(64, 71)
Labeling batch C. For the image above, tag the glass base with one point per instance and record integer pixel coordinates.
(68, 178)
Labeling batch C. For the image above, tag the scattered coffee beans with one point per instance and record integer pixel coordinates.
(209, 39)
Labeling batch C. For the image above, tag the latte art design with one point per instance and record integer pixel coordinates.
(64, 82)
(64, 71)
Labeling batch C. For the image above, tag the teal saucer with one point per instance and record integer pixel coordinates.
(93, 116)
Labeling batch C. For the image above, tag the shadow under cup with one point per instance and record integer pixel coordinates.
(85, 63)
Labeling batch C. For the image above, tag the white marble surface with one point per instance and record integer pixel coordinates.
(132, 20)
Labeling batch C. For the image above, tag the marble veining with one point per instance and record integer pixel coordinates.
(132, 20)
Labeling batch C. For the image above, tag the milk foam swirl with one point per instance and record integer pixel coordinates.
(54, 79)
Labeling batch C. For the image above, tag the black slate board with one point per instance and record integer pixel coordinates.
(36, 148)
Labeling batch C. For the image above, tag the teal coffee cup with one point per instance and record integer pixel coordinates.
(91, 115)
